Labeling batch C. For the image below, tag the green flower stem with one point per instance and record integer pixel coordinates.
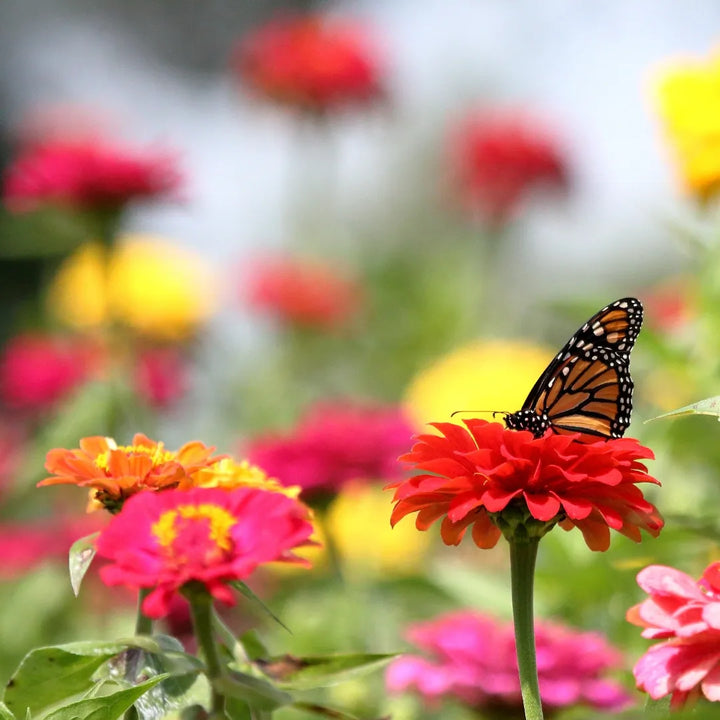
(201, 609)
(523, 553)
(143, 624)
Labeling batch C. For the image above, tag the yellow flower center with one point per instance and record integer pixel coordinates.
(219, 520)
(158, 454)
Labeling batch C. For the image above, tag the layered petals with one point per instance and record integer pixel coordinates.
(470, 474)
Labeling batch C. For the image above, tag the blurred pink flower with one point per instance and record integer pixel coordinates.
(472, 658)
(310, 63)
(87, 174)
(685, 614)
(496, 158)
(36, 371)
(670, 305)
(301, 292)
(161, 376)
(334, 444)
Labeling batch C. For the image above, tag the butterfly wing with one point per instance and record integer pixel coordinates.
(587, 387)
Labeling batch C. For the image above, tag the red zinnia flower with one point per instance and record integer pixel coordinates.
(161, 376)
(310, 63)
(685, 614)
(334, 444)
(472, 657)
(206, 535)
(468, 475)
(87, 174)
(497, 158)
(36, 371)
(303, 293)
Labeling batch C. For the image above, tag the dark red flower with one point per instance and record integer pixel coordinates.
(472, 657)
(471, 474)
(87, 174)
(497, 158)
(36, 371)
(333, 445)
(685, 615)
(161, 376)
(311, 63)
(303, 293)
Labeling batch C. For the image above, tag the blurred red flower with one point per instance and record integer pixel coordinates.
(470, 474)
(670, 305)
(161, 376)
(311, 63)
(472, 658)
(301, 292)
(497, 158)
(87, 174)
(335, 444)
(37, 371)
(203, 535)
(685, 614)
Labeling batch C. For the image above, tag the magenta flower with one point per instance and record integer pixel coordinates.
(87, 174)
(685, 614)
(164, 540)
(471, 657)
(335, 444)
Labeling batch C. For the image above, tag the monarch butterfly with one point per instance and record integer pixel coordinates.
(587, 387)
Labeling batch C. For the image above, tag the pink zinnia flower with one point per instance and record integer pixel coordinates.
(87, 174)
(203, 535)
(37, 371)
(301, 292)
(469, 473)
(496, 158)
(685, 615)
(472, 657)
(335, 444)
(310, 63)
(161, 376)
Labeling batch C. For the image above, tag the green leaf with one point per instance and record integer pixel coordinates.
(5, 713)
(307, 673)
(48, 675)
(709, 406)
(248, 593)
(327, 712)
(255, 692)
(107, 707)
(81, 555)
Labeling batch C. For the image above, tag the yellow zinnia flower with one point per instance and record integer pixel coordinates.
(484, 375)
(689, 104)
(229, 474)
(145, 283)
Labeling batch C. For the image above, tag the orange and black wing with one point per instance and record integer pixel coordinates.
(587, 387)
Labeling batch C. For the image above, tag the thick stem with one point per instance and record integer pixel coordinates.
(522, 573)
(201, 609)
(143, 624)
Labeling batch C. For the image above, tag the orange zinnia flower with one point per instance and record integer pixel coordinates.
(113, 473)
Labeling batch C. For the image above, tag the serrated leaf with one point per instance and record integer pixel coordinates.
(81, 556)
(107, 707)
(255, 692)
(250, 595)
(709, 406)
(307, 673)
(49, 675)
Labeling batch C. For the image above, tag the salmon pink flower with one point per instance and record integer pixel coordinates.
(494, 479)
(497, 158)
(685, 615)
(114, 472)
(301, 293)
(471, 657)
(311, 63)
(204, 535)
(37, 371)
(333, 445)
(87, 175)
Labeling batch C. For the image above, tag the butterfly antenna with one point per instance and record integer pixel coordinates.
(478, 412)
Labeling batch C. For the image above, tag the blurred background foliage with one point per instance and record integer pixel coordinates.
(417, 232)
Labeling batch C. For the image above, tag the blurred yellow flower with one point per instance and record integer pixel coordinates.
(229, 474)
(359, 522)
(145, 283)
(484, 375)
(689, 104)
